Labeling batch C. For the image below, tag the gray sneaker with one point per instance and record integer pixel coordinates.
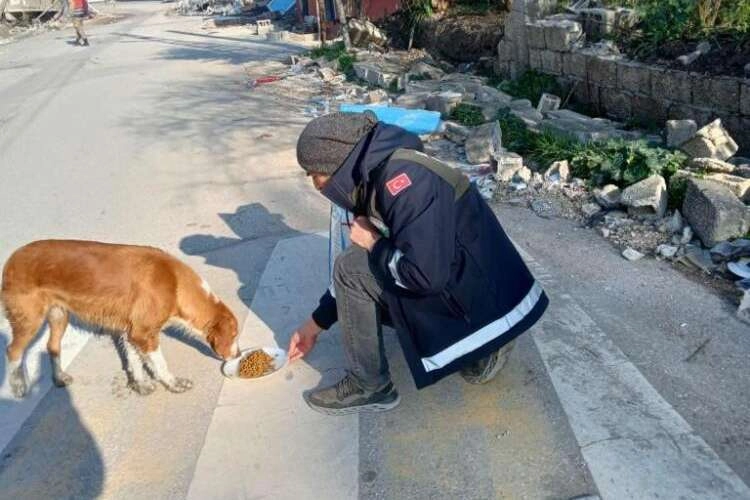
(484, 370)
(346, 396)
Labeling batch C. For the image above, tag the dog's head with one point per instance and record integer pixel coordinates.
(222, 332)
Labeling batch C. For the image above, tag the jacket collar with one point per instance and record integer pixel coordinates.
(347, 186)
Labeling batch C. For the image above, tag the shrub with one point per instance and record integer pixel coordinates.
(330, 52)
(468, 114)
(613, 161)
(531, 85)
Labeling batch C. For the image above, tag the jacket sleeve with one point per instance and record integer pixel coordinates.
(326, 314)
(416, 258)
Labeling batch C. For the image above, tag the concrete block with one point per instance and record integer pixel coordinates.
(701, 86)
(616, 103)
(548, 102)
(725, 145)
(598, 22)
(647, 198)
(671, 85)
(646, 109)
(535, 59)
(634, 77)
(535, 35)
(504, 51)
(737, 185)
(574, 64)
(714, 212)
(745, 99)
(602, 70)
(444, 102)
(552, 62)
(725, 92)
(680, 131)
(560, 36)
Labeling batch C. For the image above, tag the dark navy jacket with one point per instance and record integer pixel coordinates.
(456, 287)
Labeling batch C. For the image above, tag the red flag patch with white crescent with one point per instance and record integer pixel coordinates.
(398, 184)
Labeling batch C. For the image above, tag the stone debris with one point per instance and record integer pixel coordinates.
(523, 175)
(711, 141)
(608, 197)
(711, 165)
(590, 209)
(703, 48)
(377, 96)
(675, 223)
(687, 235)
(700, 259)
(632, 255)
(740, 186)
(559, 171)
(365, 34)
(680, 131)
(667, 251)
(647, 198)
(457, 133)
(730, 250)
(478, 144)
(548, 102)
(444, 102)
(714, 212)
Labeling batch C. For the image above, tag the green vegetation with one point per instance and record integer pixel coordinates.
(330, 52)
(478, 7)
(346, 65)
(468, 114)
(605, 162)
(531, 85)
(687, 20)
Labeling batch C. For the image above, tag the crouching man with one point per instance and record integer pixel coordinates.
(428, 256)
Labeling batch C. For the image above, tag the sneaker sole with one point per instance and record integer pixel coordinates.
(370, 408)
(502, 360)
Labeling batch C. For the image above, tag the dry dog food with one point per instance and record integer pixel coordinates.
(256, 364)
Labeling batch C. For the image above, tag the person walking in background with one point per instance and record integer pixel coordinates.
(79, 10)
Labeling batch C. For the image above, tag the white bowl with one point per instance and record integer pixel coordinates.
(231, 367)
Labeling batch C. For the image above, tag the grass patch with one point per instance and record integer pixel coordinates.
(531, 85)
(330, 52)
(605, 162)
(468, 114)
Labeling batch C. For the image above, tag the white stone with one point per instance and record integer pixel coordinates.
(680, 131)
(548, 102)
(608, 197)
(667, 251)
(647, 198)
(559, 171)
(632, 255)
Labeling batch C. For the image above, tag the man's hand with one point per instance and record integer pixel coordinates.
(303, 340)
(363, 233)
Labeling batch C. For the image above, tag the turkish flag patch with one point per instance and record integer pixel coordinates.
(398, 184)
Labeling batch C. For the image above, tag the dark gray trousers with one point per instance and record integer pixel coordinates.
(362, 312)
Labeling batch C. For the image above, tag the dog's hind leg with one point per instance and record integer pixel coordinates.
(57, 317)
(137, 378)
(26, 315)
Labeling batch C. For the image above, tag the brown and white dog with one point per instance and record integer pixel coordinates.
(135, 290)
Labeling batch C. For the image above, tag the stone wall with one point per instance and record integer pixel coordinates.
(617, 87)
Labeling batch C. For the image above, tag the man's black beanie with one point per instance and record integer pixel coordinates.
(328, 140)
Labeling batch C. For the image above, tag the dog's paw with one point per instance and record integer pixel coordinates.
(18, 384)
(180, 385)
(62, 379)
(143, 387)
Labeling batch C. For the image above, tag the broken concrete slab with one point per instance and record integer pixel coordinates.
(714, 212)
(414, 100)
(530, 117)
(711, 141)
(647, 198)
(609, 197)
(444, 102)
(377, 96)
(558, 171)
(738, 185)
(711, 165)
(428, 71)
(362, 33)
(478, 144)
(455, 132)
(680, 131)
(548, 102)
(632, 255)
(382, 75)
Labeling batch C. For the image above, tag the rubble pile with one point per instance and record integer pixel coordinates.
(635, 218)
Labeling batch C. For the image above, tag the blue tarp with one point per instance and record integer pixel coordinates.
(417, 121)
(281, 6)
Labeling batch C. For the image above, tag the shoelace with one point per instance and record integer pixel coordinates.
(346, 387)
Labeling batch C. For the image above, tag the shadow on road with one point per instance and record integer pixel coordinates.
(53, 455)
